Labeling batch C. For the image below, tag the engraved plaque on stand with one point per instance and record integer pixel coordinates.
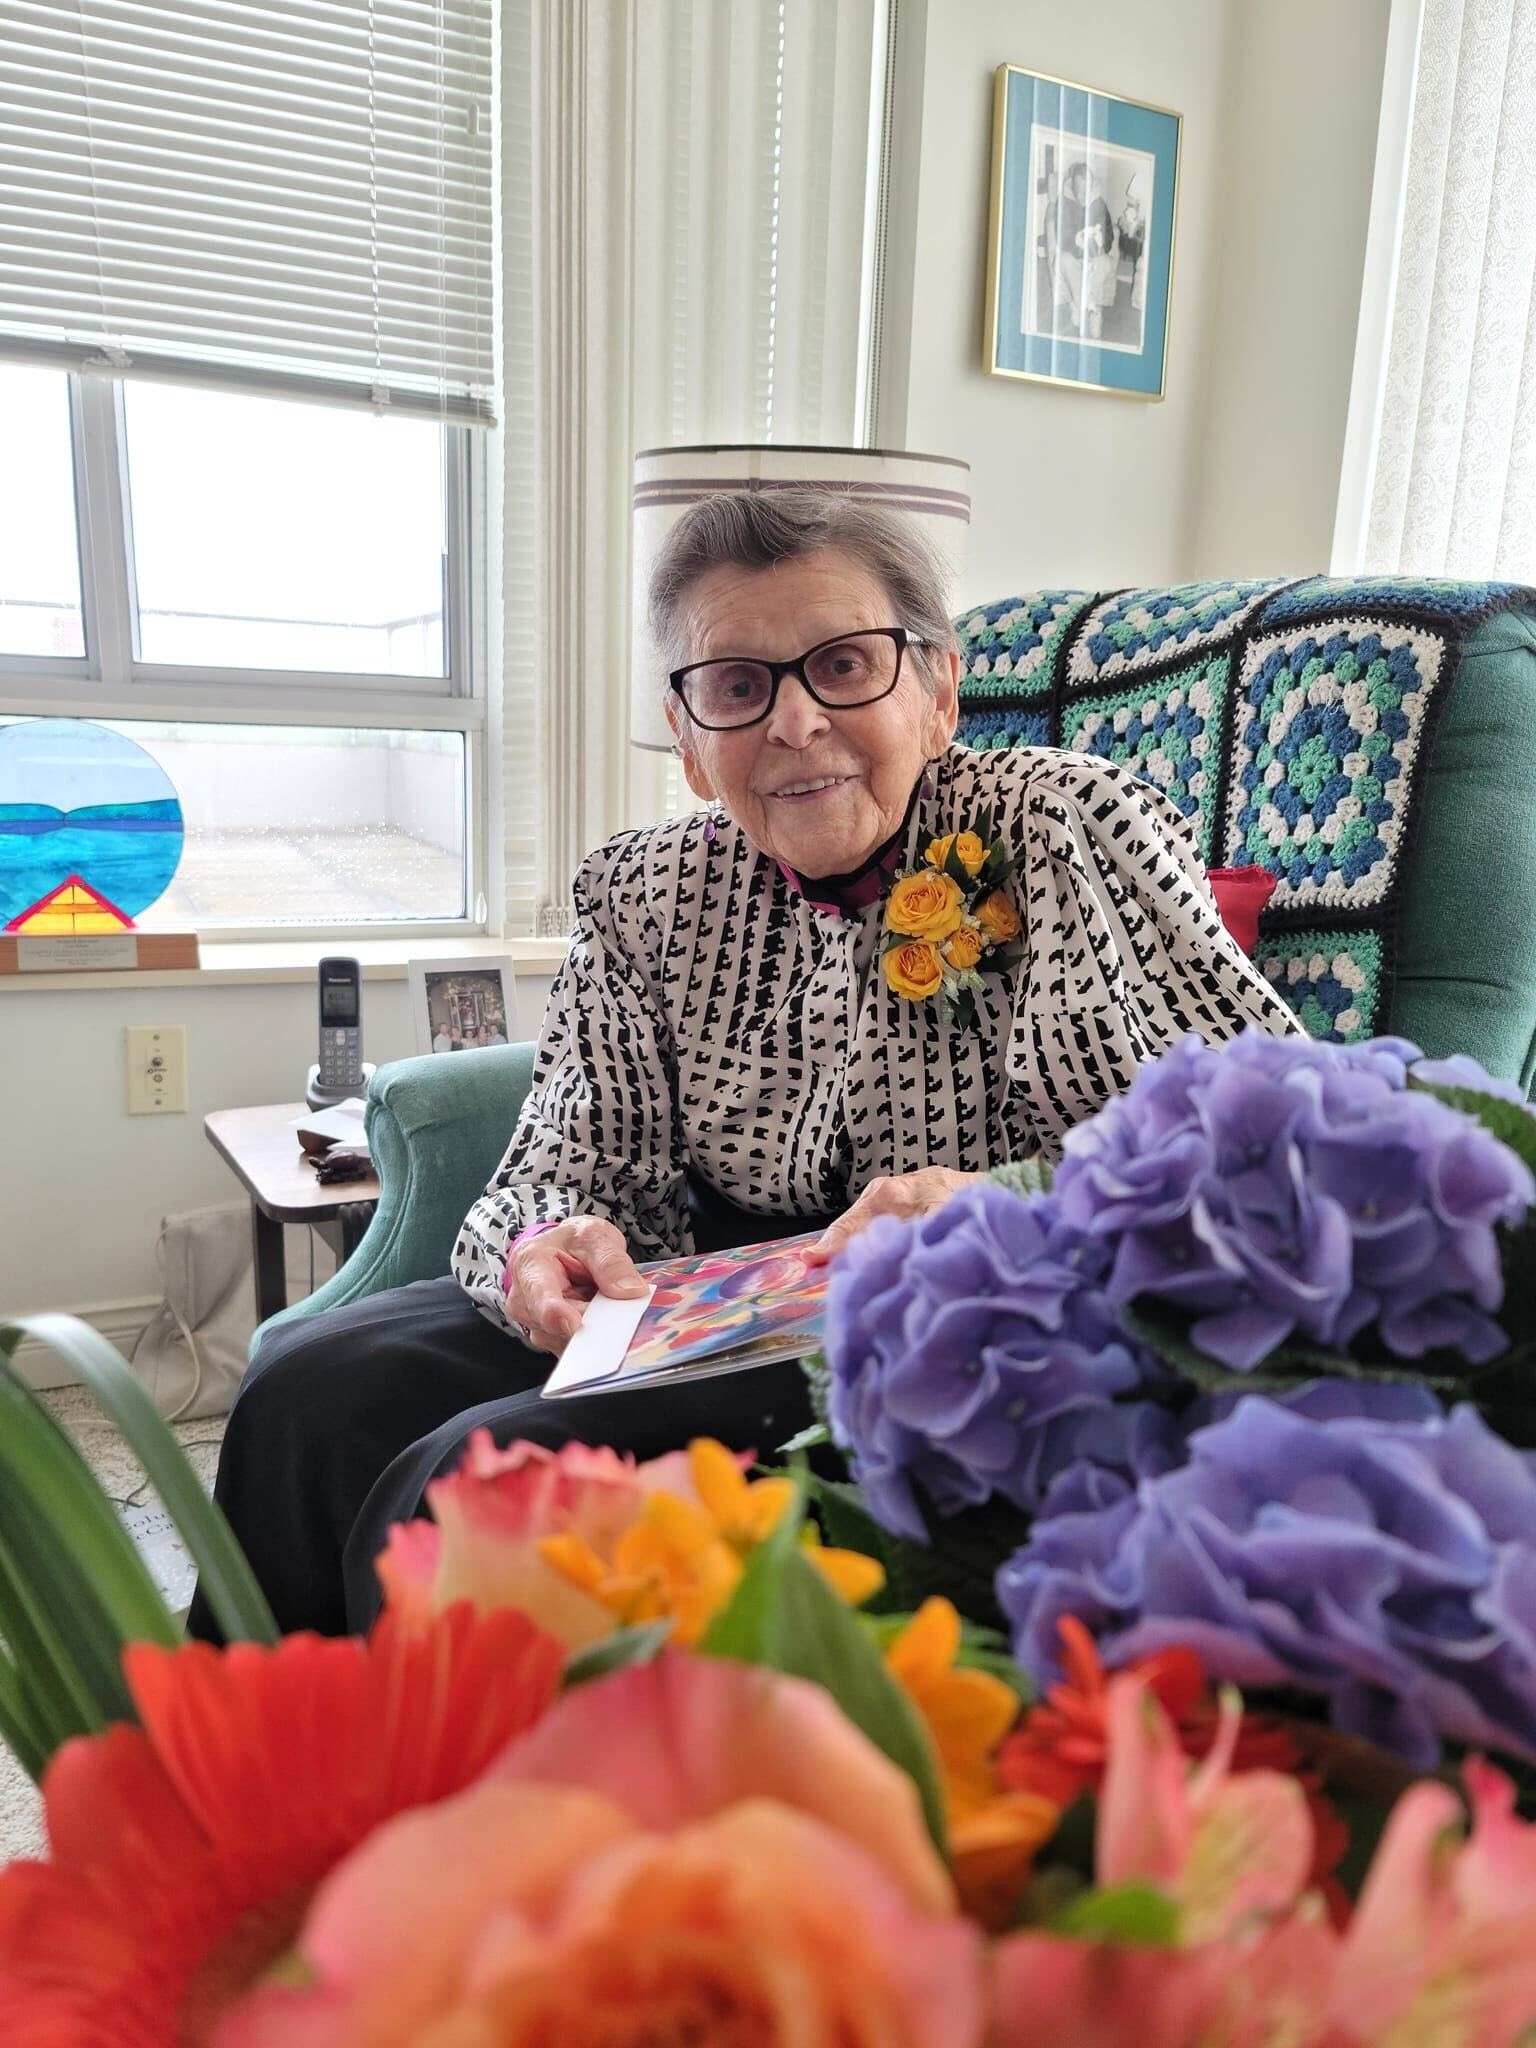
(91, 952)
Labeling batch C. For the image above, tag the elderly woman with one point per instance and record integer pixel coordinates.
(724, 1058)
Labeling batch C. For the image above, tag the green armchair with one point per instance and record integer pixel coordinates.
(437, 1128)
(1465, 942)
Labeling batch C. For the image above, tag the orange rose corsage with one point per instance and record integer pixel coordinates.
(952, 920)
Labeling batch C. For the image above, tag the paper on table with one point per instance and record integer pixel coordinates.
(342, 1124)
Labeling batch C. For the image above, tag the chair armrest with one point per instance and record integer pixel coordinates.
(438, 1127)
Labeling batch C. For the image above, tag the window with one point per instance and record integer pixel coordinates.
(278, 601)
(39, 553)
(277, 536)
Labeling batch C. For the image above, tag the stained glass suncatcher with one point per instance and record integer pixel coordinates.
(90, 828)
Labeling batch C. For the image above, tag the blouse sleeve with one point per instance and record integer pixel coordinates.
(598, 1132)
(1127, 948)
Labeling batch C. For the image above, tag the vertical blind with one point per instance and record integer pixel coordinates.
(293, 194)
(1453, 487)
(752, 136)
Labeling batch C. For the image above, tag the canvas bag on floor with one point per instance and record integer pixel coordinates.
(193, 1352)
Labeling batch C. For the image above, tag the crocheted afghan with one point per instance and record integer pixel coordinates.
(1291, 721)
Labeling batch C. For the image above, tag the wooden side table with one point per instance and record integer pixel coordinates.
(260, 1145)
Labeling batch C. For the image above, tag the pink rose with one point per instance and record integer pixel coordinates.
(693, 1850)
(494, 1513)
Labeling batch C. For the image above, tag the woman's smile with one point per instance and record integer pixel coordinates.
(812, 787)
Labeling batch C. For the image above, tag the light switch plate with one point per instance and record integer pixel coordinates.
(157, 1069)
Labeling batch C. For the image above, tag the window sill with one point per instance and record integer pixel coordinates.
(236, 964)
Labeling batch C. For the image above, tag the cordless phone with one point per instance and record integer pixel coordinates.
(339, 1071)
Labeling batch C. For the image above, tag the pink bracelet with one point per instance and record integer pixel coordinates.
(522, 1237)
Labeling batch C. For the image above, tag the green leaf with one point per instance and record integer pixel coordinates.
(224, 1576)
(51, 1683)
(784, 1615)
(1509, 1123)
(811, 1438)
(963, 1555)
(819, 1638)
(1136, 1914)
(617, 1652)
(19, 1730)
(746, 1628)
(818, 1384)
(51, 1504)
(1024, 1176)
(1162, 1330)
(957, 871)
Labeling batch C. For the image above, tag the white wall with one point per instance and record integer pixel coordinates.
(82, 1184)
(1280, 345)
(1279, 102)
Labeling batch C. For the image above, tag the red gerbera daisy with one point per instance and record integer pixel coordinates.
(1058, 1748)
(184, 1853)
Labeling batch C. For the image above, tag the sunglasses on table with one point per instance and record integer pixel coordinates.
(853, 669)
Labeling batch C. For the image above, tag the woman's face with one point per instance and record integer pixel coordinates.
(817, 789)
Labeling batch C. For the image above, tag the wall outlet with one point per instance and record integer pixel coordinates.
(157, 1068)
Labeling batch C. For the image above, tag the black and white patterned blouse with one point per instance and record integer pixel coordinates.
(710, 1017)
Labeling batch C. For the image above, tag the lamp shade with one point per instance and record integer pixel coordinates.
(932, 490)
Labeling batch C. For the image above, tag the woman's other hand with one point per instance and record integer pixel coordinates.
(901, 1194)
(552, 1275)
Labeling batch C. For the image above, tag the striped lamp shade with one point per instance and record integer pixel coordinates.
(933, 490)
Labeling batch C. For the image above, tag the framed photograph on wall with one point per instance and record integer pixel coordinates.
(1085, 196)
(460, 1005)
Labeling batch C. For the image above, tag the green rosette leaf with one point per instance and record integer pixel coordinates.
(784, 1615)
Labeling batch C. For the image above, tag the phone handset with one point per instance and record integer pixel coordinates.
(340, 1070)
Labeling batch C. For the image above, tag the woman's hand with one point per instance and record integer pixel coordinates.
(553, 1275)
(902, 1194)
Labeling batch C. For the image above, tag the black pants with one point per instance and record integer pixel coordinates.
(342, 1419)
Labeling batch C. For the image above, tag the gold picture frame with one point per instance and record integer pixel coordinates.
(1074, 164)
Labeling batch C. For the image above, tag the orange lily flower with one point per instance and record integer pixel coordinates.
(684, 1558)
(993, 1831)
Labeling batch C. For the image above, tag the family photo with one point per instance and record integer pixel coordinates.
(1090, 204)
(461, 1008)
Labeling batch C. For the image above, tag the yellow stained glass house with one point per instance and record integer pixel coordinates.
(74, 906)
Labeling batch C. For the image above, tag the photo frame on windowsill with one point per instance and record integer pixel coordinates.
(1084, 211)
(462, 1005)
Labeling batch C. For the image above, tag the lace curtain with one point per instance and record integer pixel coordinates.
(1454, 485)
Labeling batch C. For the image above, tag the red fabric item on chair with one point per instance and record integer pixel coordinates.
(1241, 893)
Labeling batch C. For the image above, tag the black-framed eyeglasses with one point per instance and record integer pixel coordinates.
(855, 668)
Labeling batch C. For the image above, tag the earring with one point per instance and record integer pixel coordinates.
(928, 788)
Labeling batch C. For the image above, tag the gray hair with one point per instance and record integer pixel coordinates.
(755, 529)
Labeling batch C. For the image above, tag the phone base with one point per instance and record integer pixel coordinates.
(318, 1096)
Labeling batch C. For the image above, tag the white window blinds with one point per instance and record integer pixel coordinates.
(293, 194)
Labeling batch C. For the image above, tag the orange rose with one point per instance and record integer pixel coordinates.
(914, 970)
(721, 1857)
(964, 948)
(968, 850)
(924, 906)
(998, 918)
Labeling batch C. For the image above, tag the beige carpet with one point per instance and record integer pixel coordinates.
(21, 1832)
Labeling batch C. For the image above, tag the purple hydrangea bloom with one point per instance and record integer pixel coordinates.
(1347, 1540)
(1280, 1188)
(972, 1351)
